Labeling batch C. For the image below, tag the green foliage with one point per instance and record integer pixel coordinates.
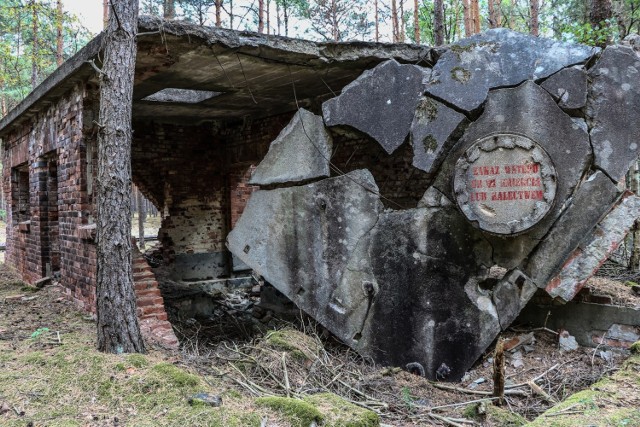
(28, 31)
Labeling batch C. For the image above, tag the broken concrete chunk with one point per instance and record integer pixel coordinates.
(433, 198)
(381, 103)
(434, 130)
(590, 202)
(302, 239)
(466, 72)
(569, 87)
(510, 296)
(567, 342)
(613, 108)
(301, 152)
(421, 261)
(595, 249)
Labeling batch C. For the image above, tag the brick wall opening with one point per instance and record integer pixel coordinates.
(21, 207)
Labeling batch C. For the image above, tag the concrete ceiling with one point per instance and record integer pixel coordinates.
(257, 75)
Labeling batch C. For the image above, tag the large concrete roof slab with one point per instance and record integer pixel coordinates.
(258, 75)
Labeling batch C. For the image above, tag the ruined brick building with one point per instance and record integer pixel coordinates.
(208, 102)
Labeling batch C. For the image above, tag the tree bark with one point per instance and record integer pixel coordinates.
(498, 373)
(438, 22)
(416, 22)
(34, 46)
(495, 16)
(169, 9)
(118, 328)
(261, 16)
(402, 33)
(468, 20)
(268, 16)
(534, 23)
(59, 38)
(475, 16)
(218, 13)
(377, 18)
(105, 14)
(394, 22)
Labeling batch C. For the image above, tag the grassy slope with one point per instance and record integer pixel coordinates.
(613, 401)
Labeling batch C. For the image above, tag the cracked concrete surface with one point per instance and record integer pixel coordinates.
(430, 284)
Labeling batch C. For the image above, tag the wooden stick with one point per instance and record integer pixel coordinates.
(287, 387)
(498, 373)
(453, 405)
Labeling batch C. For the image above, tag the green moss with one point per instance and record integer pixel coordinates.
(340, 413)
(430, 144)
(460, 74)
(428, 109)
(631, 283)
(503, 418)
(137, 360)
(635, 348)
(299, 412)
(28, 288)
(175, 375)
(299, 345)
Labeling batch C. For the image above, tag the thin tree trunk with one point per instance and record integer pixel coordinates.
(278, 22)
(438, 22)
(34, 46)
(495, 18)
(230, 14)
(468, 21)
(377, 22)
(261, 16)
(59, 39)
(498, 372)
(402, 29)
(268, 16)
(118, 328)
(334, 22)
(169, 9)
(475, 16)
(105, 13)
(394, 22)
(534, 24)
(285, 13)
(416, 22)
(142, 216)
(218, 13)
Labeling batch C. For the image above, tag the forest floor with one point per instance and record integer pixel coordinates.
(51, 375)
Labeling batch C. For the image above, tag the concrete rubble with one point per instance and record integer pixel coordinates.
(522, 194)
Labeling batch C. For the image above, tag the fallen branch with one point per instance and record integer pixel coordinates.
(446, 420)
(480, 392)
(453, 405)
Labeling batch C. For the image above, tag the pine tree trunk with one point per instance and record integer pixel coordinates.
(268, 16)
(34, 46)
(416, 22)
(534, 23)
(105, 13)
(475, 16)
(495, 18)
(118, 328)
(468, 21)
(218, 13)
(169, 9)
(377, 21)
(261, 16)
(402, 33)
(438, 22)
(59, 39)
(394, 22)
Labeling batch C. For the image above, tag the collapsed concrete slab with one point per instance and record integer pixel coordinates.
(613, 109)
(380, 103)
(497, 58)
(434, 130)
(301, 152)
(569, 87)
(595, 249)
(513, 203)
